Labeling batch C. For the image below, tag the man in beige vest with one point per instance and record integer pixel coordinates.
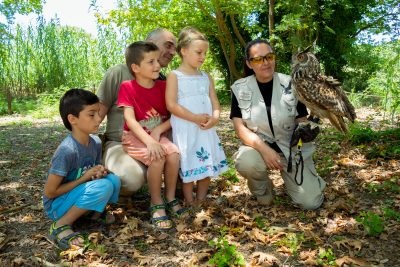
(131, 172)
(265, 113)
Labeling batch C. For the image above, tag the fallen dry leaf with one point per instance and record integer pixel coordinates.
(349, 243)
(72, 253)
(352, 260)
(202, 219)
(95, 237)
(263, 259)
(180, 227)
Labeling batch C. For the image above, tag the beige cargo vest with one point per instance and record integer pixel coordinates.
(283, 111)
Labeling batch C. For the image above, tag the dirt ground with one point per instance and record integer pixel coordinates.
(243, 232)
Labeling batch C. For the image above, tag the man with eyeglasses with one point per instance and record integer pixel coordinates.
(265, 113)
(131, 172)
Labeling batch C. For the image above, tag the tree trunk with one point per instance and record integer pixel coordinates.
(271, 20)
(9, 100)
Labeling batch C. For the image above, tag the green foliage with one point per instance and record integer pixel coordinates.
(261, 222)
(231, 174)
(372, 222)
(390, 186)
(141, 245)
(326, 257)
(292, 241)
(390, 213)
(227, 254)
(385, 143)
(48, 103)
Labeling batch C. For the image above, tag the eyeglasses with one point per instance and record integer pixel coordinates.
(258, 60)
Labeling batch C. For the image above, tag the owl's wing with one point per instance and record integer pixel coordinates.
(324, 94)
(331, 90)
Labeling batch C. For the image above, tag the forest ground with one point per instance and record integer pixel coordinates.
(358, 224)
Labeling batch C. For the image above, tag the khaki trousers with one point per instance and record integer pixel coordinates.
(250, 165)
(131, 172)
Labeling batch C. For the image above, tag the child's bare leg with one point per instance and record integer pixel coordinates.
(69, 218)
(154, 180)
(170, 180)
(202, 189)
(171, 175)
(187, 189)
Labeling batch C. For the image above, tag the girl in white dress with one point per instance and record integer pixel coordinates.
(195, 110)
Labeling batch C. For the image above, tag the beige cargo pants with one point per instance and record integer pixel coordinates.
(250, 165)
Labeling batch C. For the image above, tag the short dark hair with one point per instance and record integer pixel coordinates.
(134, 53)
(247, 70)
(73, 102)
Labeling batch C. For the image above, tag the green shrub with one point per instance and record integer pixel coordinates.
(372, 223)
(227, 254)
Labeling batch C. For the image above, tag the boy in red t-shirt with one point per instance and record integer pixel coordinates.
(146, 127)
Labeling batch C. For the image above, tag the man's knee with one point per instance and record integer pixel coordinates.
(131, 172)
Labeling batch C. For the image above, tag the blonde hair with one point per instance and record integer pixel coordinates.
(187, 36)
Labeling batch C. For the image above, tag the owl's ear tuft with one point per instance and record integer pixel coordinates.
(311, 47)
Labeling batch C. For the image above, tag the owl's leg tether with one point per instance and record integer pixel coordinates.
(298, 157)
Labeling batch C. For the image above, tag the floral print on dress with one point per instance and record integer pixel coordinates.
(202, 155)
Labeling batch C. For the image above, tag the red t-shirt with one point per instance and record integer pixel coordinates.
(148, 103)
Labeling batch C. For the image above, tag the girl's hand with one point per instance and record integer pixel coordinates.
(210, 123)
(156, 151)
(201, 119)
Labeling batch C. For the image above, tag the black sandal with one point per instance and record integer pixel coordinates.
(157, 221)
(65, 242)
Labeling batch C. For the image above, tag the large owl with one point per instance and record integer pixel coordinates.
(322, 94)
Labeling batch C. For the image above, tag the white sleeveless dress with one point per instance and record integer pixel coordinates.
(201, 151)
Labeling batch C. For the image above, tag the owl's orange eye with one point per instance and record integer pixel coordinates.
(300, 57)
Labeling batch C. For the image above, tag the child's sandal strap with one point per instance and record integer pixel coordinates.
(65, 242)
(54, 231)
(179, 212)
(154, 208)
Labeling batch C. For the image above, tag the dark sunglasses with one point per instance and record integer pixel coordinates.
(268, 57)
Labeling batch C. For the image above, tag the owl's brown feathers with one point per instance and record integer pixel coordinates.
(322, 94)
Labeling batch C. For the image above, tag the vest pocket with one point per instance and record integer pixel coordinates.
(244, 100)
(290, 102)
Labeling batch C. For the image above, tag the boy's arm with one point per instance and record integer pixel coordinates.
(171, 96)
(156, 151)
(160, 129)
(54, 186)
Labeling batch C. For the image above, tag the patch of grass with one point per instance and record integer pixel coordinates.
(231, 175)
(43, 106)
(227, 254)
(389, 213)
(378, 144)
(326, 257)
(141, 245)
(372, 222)
(388, 186)
(281, 200)
(261, 222)
(292, 241)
